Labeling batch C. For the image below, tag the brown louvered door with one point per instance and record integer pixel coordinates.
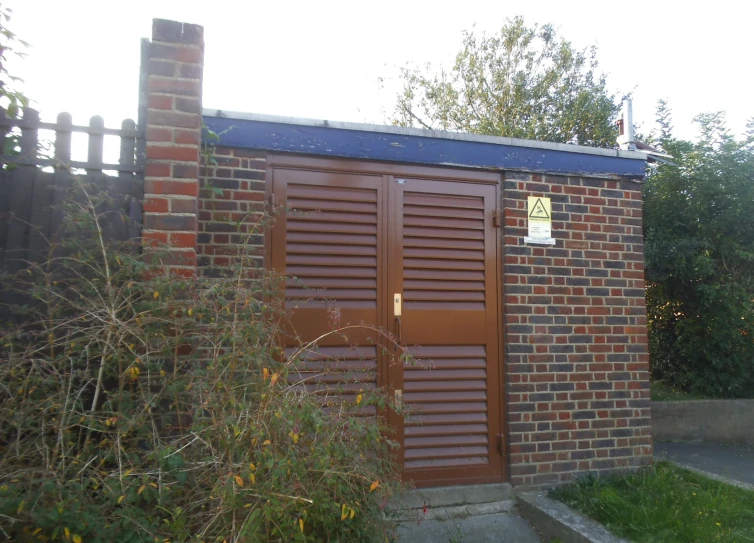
(443, 256)
(350, 237)
(328, 242)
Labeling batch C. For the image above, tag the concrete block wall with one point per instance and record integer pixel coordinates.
(576, 353)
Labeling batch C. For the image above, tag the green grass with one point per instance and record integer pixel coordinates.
(664, 504)
(664, 393)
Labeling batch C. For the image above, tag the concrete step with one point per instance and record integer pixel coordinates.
(444, 496)
(442, 503)
(451, 511)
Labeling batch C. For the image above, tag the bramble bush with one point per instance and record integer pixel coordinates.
(138, 406)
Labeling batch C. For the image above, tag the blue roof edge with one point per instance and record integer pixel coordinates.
(425, 147)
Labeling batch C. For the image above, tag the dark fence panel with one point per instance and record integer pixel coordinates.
(35, 181)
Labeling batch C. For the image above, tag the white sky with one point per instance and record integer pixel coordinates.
(323, 59)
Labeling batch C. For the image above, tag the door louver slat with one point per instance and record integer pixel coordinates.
(314, 248)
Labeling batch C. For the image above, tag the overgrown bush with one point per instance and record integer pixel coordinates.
(699, 235)
(138, 406)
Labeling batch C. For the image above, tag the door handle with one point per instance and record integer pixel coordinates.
(397, 311)
(399, 399)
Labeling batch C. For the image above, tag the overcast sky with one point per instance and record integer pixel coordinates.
(324, 59)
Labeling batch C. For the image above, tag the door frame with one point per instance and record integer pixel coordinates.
(440, 173)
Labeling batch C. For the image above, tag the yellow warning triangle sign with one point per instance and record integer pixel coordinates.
(538, 211)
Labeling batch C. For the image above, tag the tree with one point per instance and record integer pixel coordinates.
(699, 236)
(11, 99)
(523, 82)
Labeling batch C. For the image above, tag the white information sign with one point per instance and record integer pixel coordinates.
(540, 221)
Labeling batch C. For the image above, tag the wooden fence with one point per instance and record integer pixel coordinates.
(34, 181)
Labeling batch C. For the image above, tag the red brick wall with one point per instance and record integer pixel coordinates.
(575, 318)
(231, 205)
(577, 359)
(173, 133)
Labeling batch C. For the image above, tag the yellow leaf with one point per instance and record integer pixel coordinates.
(121, 499)
(153, 485)
(141, 489)
(155, 295)
(266, 442)
(134, 372)
(295, 438)
(252, 467)
(374, 486)
(343, 512)
(20, 507)
(352, 513)
(76, 538)
(301, 525)
(274, 378)
(265, 374)
(239, 480)
(358, 399)
(190, 312)
(67, 533)
(162, 373)
(253, 479)
(35, 532)
(132, 346)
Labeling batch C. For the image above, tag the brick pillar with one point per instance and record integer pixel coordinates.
(173, 74)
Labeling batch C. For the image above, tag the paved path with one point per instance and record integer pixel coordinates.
(731, 462)
(499, 528)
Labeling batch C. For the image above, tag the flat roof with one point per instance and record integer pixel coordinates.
(415, 145)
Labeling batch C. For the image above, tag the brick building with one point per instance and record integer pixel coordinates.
(532, 352)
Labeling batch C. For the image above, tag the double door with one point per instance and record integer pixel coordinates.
(381, 260)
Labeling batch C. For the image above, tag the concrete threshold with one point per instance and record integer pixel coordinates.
(468, 514)
(444, 496)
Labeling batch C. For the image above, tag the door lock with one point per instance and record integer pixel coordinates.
(397, 305)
